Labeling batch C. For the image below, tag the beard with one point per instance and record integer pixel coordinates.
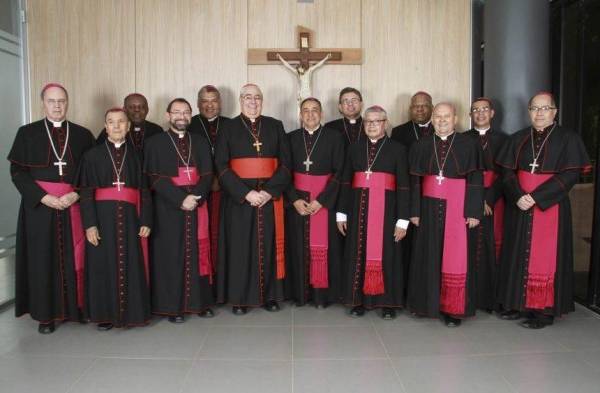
(180, 125)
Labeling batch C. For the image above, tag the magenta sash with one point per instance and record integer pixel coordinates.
(377, 183)
(489, 177)
(129, 195)
(215, 206)
(454, 255)
(319, 229)
(203, 237)
(544, 245)
(77, 233)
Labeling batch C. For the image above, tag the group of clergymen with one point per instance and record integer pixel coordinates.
(215, 210)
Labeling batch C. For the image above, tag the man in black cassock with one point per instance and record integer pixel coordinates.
(313, 250)
(136, 107)
(50, 239)
(541, 164)
(373, 214)
(179, 166)
(419, 125)
(208, 123)
(350, 106)
(487, 236)
(116, 209)
(446, 203)
(252, 161)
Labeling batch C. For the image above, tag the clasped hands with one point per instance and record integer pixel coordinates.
(307, 209)
(60, 203)
(258, 198)
(526, 202)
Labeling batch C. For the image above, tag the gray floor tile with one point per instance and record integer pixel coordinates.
(334, 315)
(34, 374)
(133, 376)
(248, 376)
(337, 342)
(254, 317)
(576, 334)
(348, 376)
(248, 342)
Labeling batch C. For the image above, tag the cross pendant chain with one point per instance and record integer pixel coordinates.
(118, 183)
(60, 163)
(440, 177)
(534, 165)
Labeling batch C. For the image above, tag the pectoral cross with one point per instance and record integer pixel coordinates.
(440, 177)
(60, 163)
(187, 171)
(533, 165)
(307, 163)
(118, 183)
(368, 172)
(257, 144)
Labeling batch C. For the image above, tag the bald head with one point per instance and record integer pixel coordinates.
(444, 118)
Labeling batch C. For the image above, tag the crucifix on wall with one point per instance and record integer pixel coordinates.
(304, 61)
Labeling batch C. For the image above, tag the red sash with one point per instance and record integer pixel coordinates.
(77, 233)
(489, 177)
(319, 228)
(454, 255)
(129, 195)
(544, 245)
(377, 184)
(264, 168)
(204, 257)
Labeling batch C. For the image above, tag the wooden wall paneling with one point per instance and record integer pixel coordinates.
(417, 45)
(87, 46)
(272, 24)
(184, 45)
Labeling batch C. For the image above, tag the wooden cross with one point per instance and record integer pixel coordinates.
(257, 144)
(440, 177)
(307, 163)
(304, 56)
(187, 171)
(533, 165)
(368, 172)
(60, 163)
(118, 183)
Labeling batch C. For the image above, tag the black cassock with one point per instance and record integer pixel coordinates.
(45, 270)
(327, 155)
(208, 129)
(117, 290)
(563, 159)
(246, 270)
(407, 134)
(410, 132)
(176, 283)
(425, 277)
(354, 202)
(486, 242)
(137, 136)
(351, 131)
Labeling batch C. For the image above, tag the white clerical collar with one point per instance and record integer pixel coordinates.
(137, 128)
(482, 132)
(313, 130)
(445, 137)
(55, 124)
(252, 120)
(212, 119)
(180, 134)
(117, 144)
(424, 124)
(352, 121)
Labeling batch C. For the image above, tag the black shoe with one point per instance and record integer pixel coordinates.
(206, 313)
(239, 310)
(388, 314)
(176, 319)
(104, 327)
(510, 315)
(46, 328)
(272, 306)
(451, 321)
(357, 311)
(489, 310)
(535, 323)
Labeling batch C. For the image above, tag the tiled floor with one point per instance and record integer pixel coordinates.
(303, 350)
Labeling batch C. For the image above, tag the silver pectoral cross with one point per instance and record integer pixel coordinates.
(60, 163)
(187, 171)
(307, 163)
(440, 177)
(368, 172)
(118, 183)
(534, 165)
